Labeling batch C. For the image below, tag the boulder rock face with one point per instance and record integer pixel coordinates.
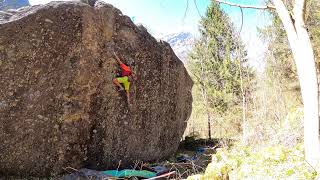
(58, 105)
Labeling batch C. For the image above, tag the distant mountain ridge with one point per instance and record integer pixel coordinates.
(181, 43)
(13, 4)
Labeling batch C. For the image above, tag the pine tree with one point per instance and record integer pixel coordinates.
(218, 65)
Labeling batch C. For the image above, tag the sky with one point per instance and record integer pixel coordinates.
(160, 17)
(163, 17)
(171, 16)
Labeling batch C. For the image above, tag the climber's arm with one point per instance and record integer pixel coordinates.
(117, 58)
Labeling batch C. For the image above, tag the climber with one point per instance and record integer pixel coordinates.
(124, 78)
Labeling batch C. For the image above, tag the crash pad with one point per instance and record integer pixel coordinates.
(129, 173)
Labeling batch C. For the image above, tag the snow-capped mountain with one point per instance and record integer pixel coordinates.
(181, 44)
(13, 4)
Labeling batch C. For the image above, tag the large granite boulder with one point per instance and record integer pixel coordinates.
(58, 105)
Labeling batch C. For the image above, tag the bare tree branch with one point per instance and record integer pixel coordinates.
(185, 13)
(199, 80)
(195, 3)
(246, 6)
(241, 21)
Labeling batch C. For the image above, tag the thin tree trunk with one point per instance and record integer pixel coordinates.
(243, 100)
(244, 109)
(205, 98)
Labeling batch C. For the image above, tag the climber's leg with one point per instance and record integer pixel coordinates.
(117, 82)
(128, 96)
(126, 85)
(125, 81)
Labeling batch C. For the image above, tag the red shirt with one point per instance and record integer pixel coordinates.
(126, 71)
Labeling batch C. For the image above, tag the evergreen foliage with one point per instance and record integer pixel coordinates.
(218, 65)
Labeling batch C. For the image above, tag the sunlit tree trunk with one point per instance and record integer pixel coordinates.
(302, 51)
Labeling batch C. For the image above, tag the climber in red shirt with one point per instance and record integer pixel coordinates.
(126, 72)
